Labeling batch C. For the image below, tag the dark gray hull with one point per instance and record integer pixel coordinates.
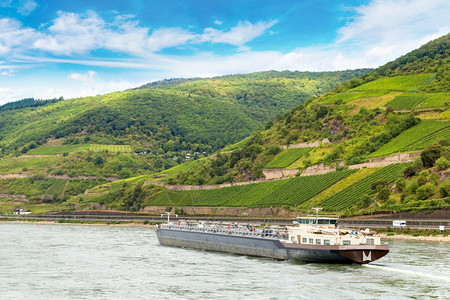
(271, 248)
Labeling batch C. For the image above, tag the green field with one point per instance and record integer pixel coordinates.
(110, 148)
(352, 95)
(431, 139)
(409, 137)
(436, 100)
(180, 168)
(347, 197)
(289, 192)
(59, 149)
(57, 188)
(287, 158)
(30, 164)
(397, 83)
(407, 101)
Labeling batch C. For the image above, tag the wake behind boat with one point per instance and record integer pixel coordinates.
(311, 239)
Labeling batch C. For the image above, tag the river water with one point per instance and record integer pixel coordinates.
(108, 262)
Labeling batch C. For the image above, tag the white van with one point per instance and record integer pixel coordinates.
(399, 223)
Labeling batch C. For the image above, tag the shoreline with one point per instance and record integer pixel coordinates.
(430, 238)
(421, 238)
(125, 224)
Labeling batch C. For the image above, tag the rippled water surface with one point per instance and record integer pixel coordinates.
(105, 262)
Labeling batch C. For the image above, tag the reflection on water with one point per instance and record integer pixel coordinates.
(101, 262)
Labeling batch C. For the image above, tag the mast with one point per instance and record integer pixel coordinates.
(317, 209)
(168, 214)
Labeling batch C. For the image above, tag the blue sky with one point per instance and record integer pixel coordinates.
(81, 48)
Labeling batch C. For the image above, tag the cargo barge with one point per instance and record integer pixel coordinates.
(310, 239)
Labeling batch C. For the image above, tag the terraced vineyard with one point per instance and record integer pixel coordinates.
(57, 188)
(406, 101)
(58, 149)
(287, 158)
(341, 185)
(441, 135)
(352, 95)
(436, 100)
(300, 189)
(111, 148)
(290, 192)
(410, 136)
(348, 196)
(398, 83)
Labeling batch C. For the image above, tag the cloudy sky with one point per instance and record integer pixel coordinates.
(77, 48)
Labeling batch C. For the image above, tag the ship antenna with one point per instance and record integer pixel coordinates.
(168, 214)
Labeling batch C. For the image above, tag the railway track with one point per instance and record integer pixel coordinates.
(130, 217)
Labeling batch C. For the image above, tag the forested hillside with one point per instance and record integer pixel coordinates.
(164, 121)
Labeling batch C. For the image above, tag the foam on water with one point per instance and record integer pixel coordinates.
(409, 272)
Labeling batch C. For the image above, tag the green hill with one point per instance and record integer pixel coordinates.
(399, 108)
(364, 118)
(166, 122)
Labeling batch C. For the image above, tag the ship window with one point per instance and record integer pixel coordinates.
(311, 241)
(318, 242)
(304, 240)
(326, 242)
(345, 242)
(292, 238)
(370, 241)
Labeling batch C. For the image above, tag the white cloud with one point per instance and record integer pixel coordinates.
(8, 95)
(13, 35)
(218, 22)
(73, 33)
(91, 85)
(239, 35)
(25, 7)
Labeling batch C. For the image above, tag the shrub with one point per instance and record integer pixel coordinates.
(400, 184)
(424, 191)
(434, 178)
(444, 190)
(442, 163)
(430, 155)
(411, 187)
(379, 184)
(384, 193)
(364, 201)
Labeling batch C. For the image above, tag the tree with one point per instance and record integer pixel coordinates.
(430, 155)
(99, 160)
(384, 193)
(424, 191)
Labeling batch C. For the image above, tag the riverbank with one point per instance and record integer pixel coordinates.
(115, 223)
(422, 238)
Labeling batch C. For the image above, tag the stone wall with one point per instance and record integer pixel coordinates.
(382, 162)
(222, 211)
(307, 145)
(271, 174)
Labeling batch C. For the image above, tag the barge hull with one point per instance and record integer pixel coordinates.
(271, 248)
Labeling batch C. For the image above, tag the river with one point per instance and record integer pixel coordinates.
(40, 261)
